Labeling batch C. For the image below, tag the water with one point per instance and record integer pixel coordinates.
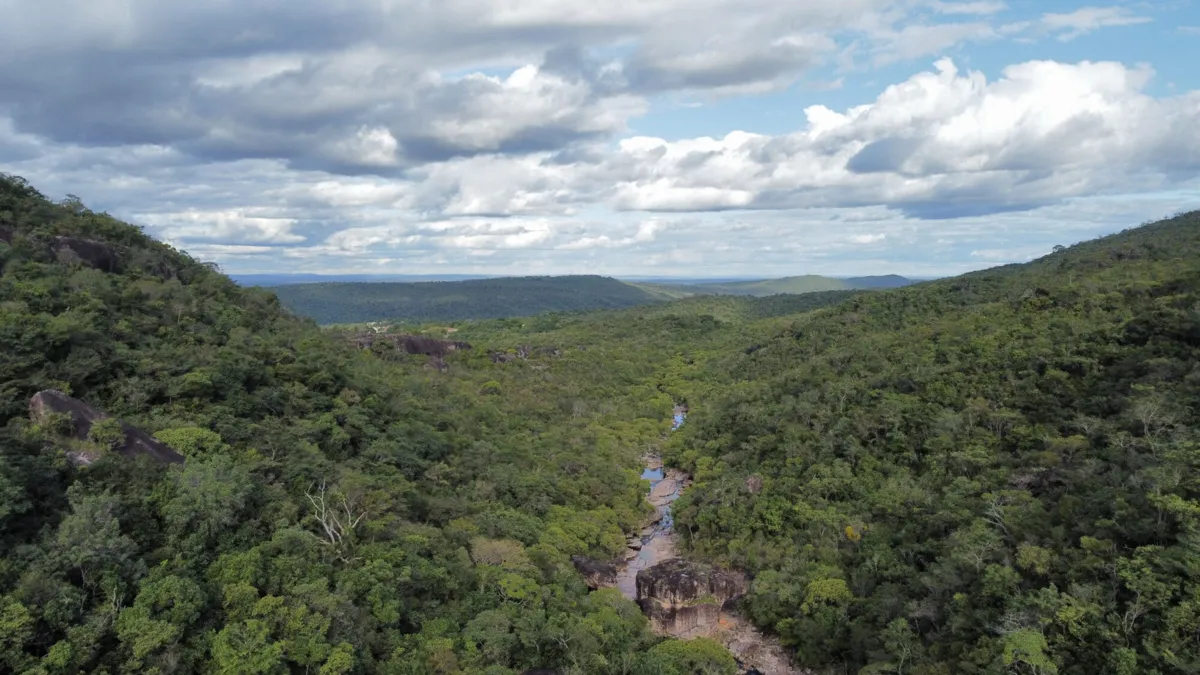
(652, 475)
(658, 540)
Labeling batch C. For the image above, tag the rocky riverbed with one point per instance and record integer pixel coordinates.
(686, 599)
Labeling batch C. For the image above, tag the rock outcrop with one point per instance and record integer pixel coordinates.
(6, 233)
(410, 344)
(92, 253)
(83, 416)
(667, 490)
(596, 573)
(685, 598)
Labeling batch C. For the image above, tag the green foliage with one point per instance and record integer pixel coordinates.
(809, 283)
(107, 433)
(700, 656)
(987, 474)
(1013, 447)
(354, 302)
(338, 511)
(193, 441)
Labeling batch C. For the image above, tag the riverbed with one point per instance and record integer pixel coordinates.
(754, 651)
(656, 542)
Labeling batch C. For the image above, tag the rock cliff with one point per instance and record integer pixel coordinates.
(685, 598)
(134, 441)
(92, 253)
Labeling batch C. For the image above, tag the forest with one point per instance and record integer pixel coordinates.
(422, 301)
(993, 473)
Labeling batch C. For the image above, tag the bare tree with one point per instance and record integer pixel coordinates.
(338, 520)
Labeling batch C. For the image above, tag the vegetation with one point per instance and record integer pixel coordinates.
(447, 301)
(988, 474)
(337, 303)
(810, 283)
(339, 511)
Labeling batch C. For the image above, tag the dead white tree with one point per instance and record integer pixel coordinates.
(338, 519)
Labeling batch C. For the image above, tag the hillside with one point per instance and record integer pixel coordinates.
(329, 303)
(810, 283)
(991, 473)
(338, 511)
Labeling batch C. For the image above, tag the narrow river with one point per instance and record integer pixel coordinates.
(754, 651)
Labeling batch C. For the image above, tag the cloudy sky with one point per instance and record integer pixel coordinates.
(667, 137)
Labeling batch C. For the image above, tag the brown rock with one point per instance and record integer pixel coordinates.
(683, 597)
(137, 442)
(667, 489)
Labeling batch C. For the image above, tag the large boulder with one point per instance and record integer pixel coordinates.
(685, 598)
(83, 416)
(92, 253)
(596, 573)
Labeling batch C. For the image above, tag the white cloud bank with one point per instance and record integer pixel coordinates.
(411, 136)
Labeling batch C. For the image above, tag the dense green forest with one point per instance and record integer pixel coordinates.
(339, 510)
(444, 301)
(353, 302)
(994, 473)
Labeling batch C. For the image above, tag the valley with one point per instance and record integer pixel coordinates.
(989, 473)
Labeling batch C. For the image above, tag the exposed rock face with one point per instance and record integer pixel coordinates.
(137, 442)
(6, 233)
(92, 253)
(685, 598)
(596, 573)
(411, 344)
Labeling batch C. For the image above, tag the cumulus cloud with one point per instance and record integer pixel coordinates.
(941, 144)
(407, 135)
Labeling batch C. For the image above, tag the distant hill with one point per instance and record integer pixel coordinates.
(452, 300)
(809, 283)
(286, 279)
(885, 281)
(330, 303)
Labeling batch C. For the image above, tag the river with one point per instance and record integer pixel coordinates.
(754, 651)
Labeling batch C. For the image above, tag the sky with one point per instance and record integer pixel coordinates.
(658, 137)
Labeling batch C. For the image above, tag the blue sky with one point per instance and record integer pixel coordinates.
(665, 137)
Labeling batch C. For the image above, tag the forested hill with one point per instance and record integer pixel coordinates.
(330, 303)
(995, 473)
(809, 283)
(338, 511)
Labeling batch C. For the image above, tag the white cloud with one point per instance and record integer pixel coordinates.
(982, 7)
(1082, 21)
(476, 135)
(941, 141)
